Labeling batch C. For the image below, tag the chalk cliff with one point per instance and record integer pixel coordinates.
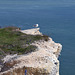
(34, 31)
(44, 61)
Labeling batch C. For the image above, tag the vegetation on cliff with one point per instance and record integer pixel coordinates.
(13, 41)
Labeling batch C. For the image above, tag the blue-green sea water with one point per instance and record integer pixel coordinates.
(56, 18)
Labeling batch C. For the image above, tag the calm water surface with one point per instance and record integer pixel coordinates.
(56, 19)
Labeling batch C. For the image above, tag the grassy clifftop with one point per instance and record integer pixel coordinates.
(13, 41)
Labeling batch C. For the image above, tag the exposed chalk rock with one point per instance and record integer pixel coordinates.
(34, 31)
(44, 61)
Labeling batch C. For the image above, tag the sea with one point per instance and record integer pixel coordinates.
(56, 18)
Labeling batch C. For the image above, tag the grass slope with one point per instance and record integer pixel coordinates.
(13, 41)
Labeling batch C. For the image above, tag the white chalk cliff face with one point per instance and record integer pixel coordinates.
(44, 61)
(34, 31)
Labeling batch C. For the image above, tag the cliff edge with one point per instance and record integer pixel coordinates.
(44, 61)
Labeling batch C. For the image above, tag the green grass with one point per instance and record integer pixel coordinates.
(1, 53)
(12, 41)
